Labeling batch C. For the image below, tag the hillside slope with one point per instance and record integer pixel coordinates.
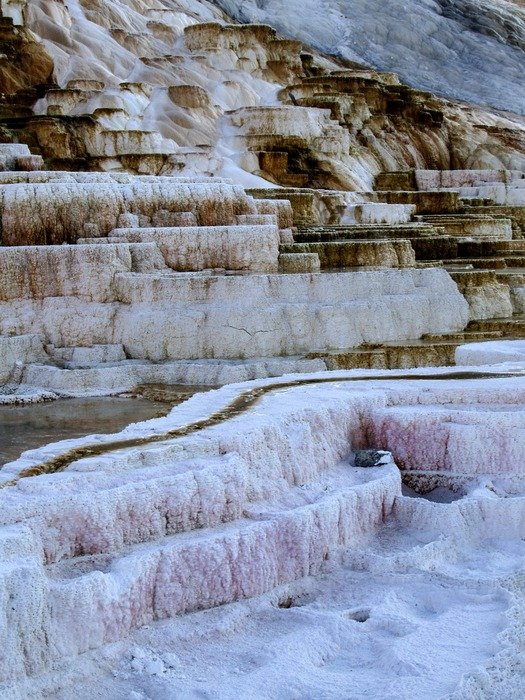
(466, 49)
(173, 87)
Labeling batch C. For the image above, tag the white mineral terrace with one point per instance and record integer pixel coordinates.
(111, 544)
(344, 518)
(215, 211)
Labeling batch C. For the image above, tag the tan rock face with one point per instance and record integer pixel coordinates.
(181, 90)
(25, 67)
(341, 254)
(252, 48)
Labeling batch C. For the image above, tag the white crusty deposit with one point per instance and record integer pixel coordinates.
(160, 315)
(233, 510)
(491, 353)
(242, 248)
(58, 212)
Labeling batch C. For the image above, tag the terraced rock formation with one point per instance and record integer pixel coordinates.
(233, 509)
(255, 107)
(186, 202)
(180, 90)
(217, 285)
(464, 49)
(192, 275)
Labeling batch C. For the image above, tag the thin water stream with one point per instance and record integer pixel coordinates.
(237, 406)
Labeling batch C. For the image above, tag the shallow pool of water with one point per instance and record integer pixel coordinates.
(26, 427)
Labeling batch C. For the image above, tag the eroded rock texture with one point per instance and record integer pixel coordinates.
(466, 49)
(178, 88)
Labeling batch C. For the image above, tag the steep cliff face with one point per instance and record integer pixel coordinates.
(465, 49)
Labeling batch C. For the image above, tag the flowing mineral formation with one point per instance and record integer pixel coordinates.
(187, 203)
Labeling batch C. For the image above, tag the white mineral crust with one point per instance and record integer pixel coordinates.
(267, 505)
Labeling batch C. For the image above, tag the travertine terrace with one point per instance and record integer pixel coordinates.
(311, 157)
(187, 201)
(217, 503)
(262, 283)
(187, 273)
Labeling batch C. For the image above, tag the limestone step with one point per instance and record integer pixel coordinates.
(478, 263)
(495, 445)
(329, 288)
(152, 380)
(514, 325)
(292, 263)
(501, 194)
(430, 351)
(50, 176)
(271, 545)
(467, 336)
(309, 206)
(361, 253)
(191, 248)
(421, 179)
(490, 263)
(256, 315)
(478, 249)
(16, 351)
(432, 248)
(379, 213)
(469, 225)
(131, 532)
(18, 157)
(128, 142)
(64, 101)
(486, 295)
(468, 278)
(70, 210)
(477, 202)
(81, 358)
(425, 202)
(395, 180)
(84, 272)
(515, 261)
(426, 241)
(392, 357)
(306, 234)
(514, 276)
(515, 213)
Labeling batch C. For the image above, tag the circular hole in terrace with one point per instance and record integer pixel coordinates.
(358, 614)
(289, 601)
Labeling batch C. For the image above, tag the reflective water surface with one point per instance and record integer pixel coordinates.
(26, 427)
